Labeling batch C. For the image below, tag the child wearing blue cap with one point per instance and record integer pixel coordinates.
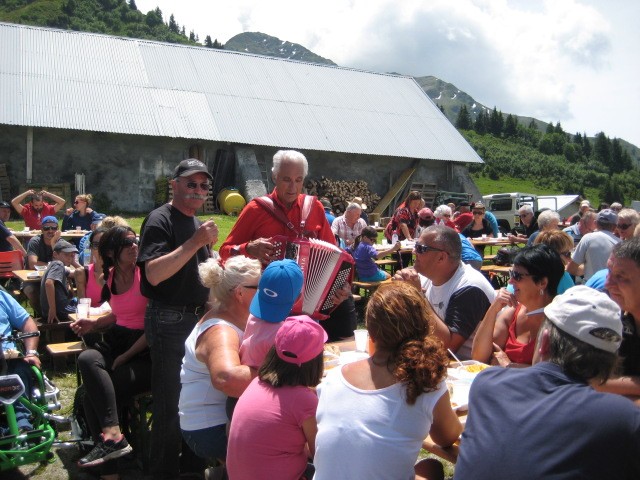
(279, 288)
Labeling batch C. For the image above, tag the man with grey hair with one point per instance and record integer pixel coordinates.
(594, 249)
(256, 226)
(547, 220)
(349, 225)
(547, 421)
(527, 221)
(459, 294)
(587, 224)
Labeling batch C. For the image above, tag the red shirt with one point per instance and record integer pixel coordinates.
(33, 219)
(255, 222)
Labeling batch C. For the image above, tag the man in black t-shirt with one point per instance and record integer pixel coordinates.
(173, 242)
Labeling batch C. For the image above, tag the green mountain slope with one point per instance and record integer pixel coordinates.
(263, 44)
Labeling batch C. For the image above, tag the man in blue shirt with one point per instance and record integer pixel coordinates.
(547, 421)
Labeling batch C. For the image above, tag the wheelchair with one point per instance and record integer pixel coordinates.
(17, 447)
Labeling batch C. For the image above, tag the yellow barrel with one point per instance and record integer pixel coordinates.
(230, 201)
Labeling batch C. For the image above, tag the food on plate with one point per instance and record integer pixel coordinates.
(334, 349)
(476, 367)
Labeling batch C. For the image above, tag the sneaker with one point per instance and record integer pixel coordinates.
(104, 451)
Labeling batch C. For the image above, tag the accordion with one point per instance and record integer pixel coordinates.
(325, 269)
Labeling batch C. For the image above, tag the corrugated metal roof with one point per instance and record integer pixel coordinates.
(84, 81)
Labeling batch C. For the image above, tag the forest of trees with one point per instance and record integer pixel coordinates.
(570, 162)
(113, 17)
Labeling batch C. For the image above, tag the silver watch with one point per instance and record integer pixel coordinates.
(29, 353)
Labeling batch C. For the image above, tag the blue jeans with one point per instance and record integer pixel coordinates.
(208, 443)
(166, 332)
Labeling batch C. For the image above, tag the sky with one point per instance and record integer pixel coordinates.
(570, 61)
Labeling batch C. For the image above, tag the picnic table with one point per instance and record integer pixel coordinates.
(29, 276)
(29, 234)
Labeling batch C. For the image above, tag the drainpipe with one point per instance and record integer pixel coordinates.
(29, 154)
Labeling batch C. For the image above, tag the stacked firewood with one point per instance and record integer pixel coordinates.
(341, 192)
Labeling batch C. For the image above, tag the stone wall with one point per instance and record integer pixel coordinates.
(121, 170)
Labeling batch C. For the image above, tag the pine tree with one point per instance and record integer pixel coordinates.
(550, 128)
(218, 45)
(463, 122)
(173, 26)
(616, 156)
(496, 122)
(132, 5)
(602, 150)
(586, 146)
(207, 41)
(481, 124)
(192, 36)
(511, 126)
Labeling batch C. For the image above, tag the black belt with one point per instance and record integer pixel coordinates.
(195, 309)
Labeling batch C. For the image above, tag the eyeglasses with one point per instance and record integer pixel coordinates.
(49, 229)
(420, 248)
(194, 185)
(524, 214)
(253, 287)
(129, 242)
(476, 212)
(518, 276)
(95, 245)
(566, 254)
(623, 226)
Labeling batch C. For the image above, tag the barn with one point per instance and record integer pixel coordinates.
(113, 116)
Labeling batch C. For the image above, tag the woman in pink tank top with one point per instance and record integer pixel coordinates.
(119, 366)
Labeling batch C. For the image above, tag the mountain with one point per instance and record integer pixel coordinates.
(263, 44)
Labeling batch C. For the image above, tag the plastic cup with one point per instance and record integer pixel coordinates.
(84, 301)
(362, 339)
(78, 229)
(484, 236)
(25, 229)
(499, 235)
(376, 224)
(82, 311)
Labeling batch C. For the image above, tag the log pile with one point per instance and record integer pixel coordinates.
(341, 192)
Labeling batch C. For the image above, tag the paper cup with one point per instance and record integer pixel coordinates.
(83, 301)
(362, 339)
(82, 311)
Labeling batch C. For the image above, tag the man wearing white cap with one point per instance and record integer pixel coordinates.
(547, 421)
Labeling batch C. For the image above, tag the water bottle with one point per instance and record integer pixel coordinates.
(394, 239)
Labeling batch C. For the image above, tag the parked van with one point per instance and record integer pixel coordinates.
(505, 206)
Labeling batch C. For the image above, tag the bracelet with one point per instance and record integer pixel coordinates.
(32, 353)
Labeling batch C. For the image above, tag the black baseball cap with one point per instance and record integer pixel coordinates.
(4, 204)
(189, 167)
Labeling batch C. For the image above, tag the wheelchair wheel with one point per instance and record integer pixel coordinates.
(79, 424)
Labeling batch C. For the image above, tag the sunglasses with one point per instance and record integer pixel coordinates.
(253, 287)
(128, 242)
(518, 276)
(194, 185)
(49, 229)
(77, 202)
(420, 248)
(623, 226)
(566, 254)
(478, 212)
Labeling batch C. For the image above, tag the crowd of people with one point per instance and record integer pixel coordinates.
(236, 374)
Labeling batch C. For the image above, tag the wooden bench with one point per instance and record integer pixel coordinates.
(367, 287)
(60, 351)
(387, 262)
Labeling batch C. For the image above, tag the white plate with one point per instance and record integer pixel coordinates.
(33, 275)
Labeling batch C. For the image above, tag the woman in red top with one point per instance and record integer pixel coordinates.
(404, 223)
(508, 331)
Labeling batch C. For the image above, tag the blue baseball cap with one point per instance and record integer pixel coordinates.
(279, 288)
(98, 217)
(50, 219)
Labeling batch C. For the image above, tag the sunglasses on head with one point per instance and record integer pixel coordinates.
(128, 242)
(194, 185)
(623, 226)
(517, 276)
(48, 229)
(420, 248)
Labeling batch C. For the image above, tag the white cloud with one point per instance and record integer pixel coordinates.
(555, 60)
